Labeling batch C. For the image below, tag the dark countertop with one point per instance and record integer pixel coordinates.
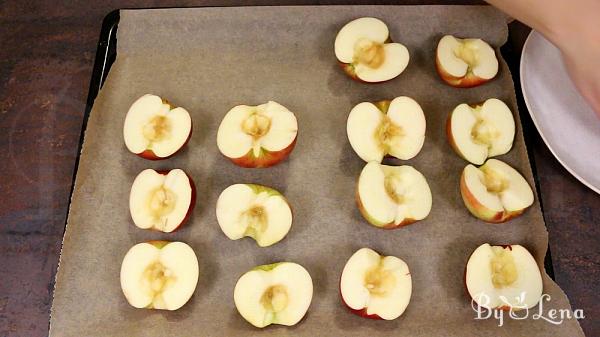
(46, 58)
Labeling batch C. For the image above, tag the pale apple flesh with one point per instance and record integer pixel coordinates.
(376, 286)
(465, 62)
(392, 196)
(256, 211)
(481, 131)
(395, 128)
(503, 277)
(159, 275)
(161, 201)
(365, 51)
(495, 192)
(257, 136)
(278, 293)
(155, 130)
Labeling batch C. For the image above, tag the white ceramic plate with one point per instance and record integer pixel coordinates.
(567, 124)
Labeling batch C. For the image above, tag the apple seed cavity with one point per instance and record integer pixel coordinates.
(379, 281)
(467, 52)
(483, 132)
(256, 125)
(494, 181)
(275, 298)
(162, 201)
(504, 270)
(369, 53)
(386, 132)
(256, 218)
(393, 187)
(157, 128)
(156, 277)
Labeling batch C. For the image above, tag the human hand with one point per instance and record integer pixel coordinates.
(573, 27)
(581, 56)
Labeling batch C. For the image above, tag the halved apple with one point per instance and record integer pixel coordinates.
(495, 192)
(257, 136)
(364, 50)
(465, 63)
(503, 277)
(375, 286)
(159, 275)
(162, 200)
(392, 196)
(154, 129)
(477, 132)
(278, 293)
(395, 128)
(259, 212)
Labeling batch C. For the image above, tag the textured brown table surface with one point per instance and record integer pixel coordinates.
(46, 57)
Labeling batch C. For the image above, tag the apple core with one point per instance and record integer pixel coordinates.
(369, 53)
(275, 298)
(484, 133)
(468, 52)
(256, 218)
(162, 201)
(156, 277)
(494, 181)
(386, 132)
(158, 128)
(379, 281)
(256, 125)
(393, 188)
(504, 270)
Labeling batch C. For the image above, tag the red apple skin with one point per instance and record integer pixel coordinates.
(192, 201)
(150, 155)
(467, 81)
(363, 313)
(267, 159)
(449, 135)
(477, 209)
(349, 70)
(371, 221)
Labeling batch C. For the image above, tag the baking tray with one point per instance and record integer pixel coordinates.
(107, 53)
(138, 33)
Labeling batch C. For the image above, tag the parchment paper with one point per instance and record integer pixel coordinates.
(211, 59)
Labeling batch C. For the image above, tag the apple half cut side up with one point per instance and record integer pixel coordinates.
(256, 211)
(465, 63)
(257, 136)
(503, 277)
(495, 192)
(477, 132)
(278, 293)
(154, 130)
(392, 196)
(395, 128)
(365, 52)
(375, 286)
(159, 275)
(162, 201)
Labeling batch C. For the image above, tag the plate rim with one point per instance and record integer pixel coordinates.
(535, 122)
